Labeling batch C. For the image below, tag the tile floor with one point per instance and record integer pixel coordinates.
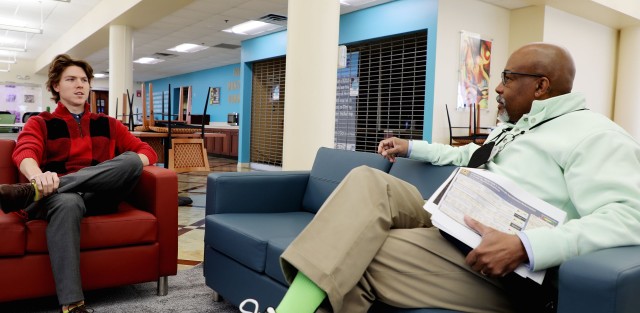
(191, 218)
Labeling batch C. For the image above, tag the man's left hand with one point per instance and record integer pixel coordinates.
(498, 254)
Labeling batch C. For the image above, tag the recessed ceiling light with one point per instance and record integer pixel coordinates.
(252, 28)
(100, 75)
(355, 2)
(188, 48)
(148, 61)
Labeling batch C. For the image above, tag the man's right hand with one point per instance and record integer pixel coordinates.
(393, 147)
(47, 182)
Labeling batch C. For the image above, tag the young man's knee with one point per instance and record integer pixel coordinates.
(131, 161)
(69, 204)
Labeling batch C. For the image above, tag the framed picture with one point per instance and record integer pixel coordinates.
(474, 70)
(214, 95)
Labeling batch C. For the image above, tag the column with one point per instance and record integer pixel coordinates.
(311, 76)
(626, 112)
(120, 65)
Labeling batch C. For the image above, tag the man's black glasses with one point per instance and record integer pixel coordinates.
(507, 72)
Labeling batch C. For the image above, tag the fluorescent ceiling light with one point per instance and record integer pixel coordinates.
(252, 28)
(355, 2)
(9, 60)
(148, 61)
(100, 75)
(188, 48)
(13, 49)
(23, 29)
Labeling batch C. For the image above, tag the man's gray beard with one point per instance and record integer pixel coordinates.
(503, 116)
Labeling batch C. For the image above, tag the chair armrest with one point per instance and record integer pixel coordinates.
(604, 281)
(157, 193)
(256, 192)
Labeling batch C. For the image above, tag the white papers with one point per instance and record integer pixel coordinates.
(494, 201)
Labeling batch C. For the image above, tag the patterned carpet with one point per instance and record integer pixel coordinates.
(191, 217)
(187, 293)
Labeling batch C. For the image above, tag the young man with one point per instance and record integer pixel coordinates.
(372, 239)
(78, 163)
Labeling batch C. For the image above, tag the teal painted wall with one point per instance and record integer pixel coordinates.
(225, 77)
(397, 17)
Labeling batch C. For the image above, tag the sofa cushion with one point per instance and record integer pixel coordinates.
(244, 237)
(275, 248)
(129, 226)
(8, 171)
(330, 167)
(13, 235)
(413, 172)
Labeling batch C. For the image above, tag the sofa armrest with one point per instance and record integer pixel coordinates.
(602, 281)
(256, 192)
(157, 193)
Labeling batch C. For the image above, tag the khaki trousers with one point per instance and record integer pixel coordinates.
(372, 240)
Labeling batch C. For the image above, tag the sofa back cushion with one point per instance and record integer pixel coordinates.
(330, 167)
(8, 171)
(425, 176)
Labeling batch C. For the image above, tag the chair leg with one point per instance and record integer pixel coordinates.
(163, 286)
(216, 296)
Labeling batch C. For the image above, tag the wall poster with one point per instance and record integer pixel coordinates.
(348, 88)
(21, 98)
(214, 95)
(474, 70)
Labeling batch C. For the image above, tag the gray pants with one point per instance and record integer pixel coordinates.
(93, 190)
(372, 239)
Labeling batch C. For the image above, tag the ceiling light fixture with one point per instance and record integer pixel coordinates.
(9, 61)
(251, 28)
(148, 61)
(355, 2)
(100, 75)
(4, 47)
(24, 29)
(13, 49)
(188, 48)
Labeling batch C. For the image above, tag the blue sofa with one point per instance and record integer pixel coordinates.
(251, 217)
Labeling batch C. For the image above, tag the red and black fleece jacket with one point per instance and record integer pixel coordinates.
(60, 144)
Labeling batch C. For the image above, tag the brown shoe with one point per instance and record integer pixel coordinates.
(15, 197)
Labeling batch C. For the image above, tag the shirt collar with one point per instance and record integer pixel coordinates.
(542, 110)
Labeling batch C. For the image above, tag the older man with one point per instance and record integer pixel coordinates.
(372, 240)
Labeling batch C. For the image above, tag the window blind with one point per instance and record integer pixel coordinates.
(267, 111)
(381, 92)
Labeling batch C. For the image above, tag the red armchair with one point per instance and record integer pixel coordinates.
(137, 244)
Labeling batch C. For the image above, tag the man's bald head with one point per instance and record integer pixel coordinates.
(554, 62)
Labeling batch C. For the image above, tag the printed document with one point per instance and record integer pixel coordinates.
(494, 201)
